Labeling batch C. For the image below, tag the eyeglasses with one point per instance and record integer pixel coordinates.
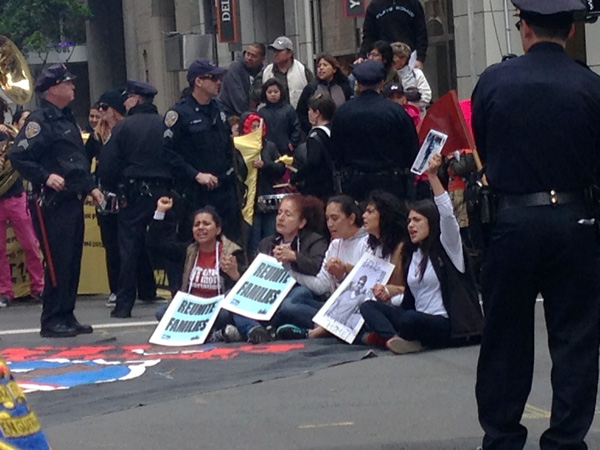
(518, 25)
(374, 54)
(103, 107)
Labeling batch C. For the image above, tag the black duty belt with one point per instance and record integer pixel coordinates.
(549, 198)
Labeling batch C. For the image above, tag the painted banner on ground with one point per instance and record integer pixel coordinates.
(261, 289)
(19, 425)
(340, 315)
(187, 321)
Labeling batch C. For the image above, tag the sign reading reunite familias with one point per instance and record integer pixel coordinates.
(187, 321)
(260, 291)
(340, 315)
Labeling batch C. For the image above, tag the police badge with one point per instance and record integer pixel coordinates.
(171, 118)
(32, 130)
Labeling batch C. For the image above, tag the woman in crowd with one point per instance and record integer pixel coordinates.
(382, 52)
(283, 127)
(440, 302)
(299, 245)
(330, 82)
(211, 263)
(315, 175)
(269, 172)
(349, 242)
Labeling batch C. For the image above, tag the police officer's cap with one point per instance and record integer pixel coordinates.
(549, 7)
(141, 88)
(53, 75)
(369, 72)
(203, 67)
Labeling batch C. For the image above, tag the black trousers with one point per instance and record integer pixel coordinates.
(388, 320)
(532, 250)
(360, 185)
(133, 221)
(64, 231)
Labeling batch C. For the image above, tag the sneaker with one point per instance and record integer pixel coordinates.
(4, 301)
(373, 339)
(258, 335)
(401, 346)
(289, 332)
(232, 334)
(112, 300)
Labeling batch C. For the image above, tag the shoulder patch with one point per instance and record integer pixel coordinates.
(24, 143)
(32, 130)
(168, 134)
(171, 118)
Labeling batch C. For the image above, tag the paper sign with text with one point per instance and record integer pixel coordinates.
(187, 321)
(261, 289)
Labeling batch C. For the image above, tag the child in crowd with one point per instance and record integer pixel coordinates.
(283, 126)
(395, 93)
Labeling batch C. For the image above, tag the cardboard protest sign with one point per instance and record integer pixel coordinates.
(340, 315)
(261, 289)
(187, 321)
(433, 144)
(19, 425)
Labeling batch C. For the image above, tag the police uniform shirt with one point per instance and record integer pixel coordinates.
(50, 142)
(536, 121)
(197, 139)
(370, 133)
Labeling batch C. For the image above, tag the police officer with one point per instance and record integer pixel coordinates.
(131, 165)
(49, 152)
(198, 146)
(535, 120)
(374, 141)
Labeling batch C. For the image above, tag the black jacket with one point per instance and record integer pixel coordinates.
(271, 172)
(235, 89)
(197, 138)
(50, 142)
(310, 248)
(134, 148)
(315, 176)
(459, 295)
(283, 126)
(309, 91)
(372, 134)
(396, 21)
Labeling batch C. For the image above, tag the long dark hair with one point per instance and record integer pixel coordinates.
(428, 209)
(349, 207)
(392, 222)
(387, 54)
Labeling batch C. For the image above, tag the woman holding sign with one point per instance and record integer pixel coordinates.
(299, 245)
(440, 302)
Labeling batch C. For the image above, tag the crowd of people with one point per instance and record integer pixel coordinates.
(332, 184)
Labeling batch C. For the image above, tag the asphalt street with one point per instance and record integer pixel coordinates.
(301, 395)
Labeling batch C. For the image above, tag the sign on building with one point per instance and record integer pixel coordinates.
(227, 20)
(354, 8)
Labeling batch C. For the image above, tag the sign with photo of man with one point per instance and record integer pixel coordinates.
(340, 315)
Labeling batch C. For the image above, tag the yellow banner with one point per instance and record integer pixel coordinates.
(250, 146)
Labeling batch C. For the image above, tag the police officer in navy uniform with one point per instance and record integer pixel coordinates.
(198, 146)
(131, 165)
(374, 141)
(536, 124)
(49, 152)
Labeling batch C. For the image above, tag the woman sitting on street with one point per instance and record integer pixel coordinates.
(440, 301)
(349, 242)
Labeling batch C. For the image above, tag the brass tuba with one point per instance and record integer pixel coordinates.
(17, 83)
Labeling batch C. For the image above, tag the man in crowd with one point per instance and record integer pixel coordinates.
(131, 166)
(198, 147)
(237, 82)
(541, 165)
(396, 21)
(49, 152)
(374, 141)
(291, 72)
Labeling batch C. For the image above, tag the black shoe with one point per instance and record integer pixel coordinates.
(120, 314)
(57, 331)
(80, 328)
(290, 332)
(259, 335)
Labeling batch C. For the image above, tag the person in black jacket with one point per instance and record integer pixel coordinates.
(330, 82)
(374, 141)
(197, 145)
(49, 152)
(393, 21)
(283, 126)
(129, 167)
(316, 175)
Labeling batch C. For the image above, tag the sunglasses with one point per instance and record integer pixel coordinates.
(211, 77)
(518, 25)
(103, 107)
